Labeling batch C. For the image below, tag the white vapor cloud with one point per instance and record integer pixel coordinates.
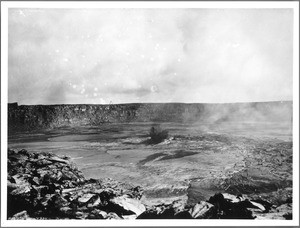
(70, 56)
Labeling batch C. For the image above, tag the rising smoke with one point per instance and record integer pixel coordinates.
(149, 55)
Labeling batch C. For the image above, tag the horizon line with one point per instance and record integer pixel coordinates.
(132, 103)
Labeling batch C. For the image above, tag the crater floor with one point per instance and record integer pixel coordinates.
(194, 162)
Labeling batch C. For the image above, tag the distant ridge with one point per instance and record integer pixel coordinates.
(136, 103)
(24, 117)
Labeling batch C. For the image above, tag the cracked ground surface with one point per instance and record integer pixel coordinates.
(194, 162)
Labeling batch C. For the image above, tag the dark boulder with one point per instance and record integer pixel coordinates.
(225, 209)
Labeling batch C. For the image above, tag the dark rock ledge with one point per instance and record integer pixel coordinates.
(46, 186)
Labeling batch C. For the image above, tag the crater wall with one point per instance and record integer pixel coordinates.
(25, 117)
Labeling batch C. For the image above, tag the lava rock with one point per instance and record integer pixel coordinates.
(129, 204)
(21, 189)
(85, 198)
(227, 210)
(23, 215)
(202, 210)
(162, 211)
(97, 214)
(112, 215)
(283, 212)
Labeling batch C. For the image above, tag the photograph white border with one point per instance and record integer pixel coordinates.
(140, 4)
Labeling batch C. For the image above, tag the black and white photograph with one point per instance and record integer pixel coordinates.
(131, 112)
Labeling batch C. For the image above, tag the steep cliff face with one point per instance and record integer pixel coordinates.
(27, 117)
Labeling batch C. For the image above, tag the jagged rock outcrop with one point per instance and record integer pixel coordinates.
(47, 186)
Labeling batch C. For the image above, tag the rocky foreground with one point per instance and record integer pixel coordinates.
(46, 186)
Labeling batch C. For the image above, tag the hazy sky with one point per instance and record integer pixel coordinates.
(100, 56)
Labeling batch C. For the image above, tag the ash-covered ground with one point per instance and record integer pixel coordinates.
(193, 163)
